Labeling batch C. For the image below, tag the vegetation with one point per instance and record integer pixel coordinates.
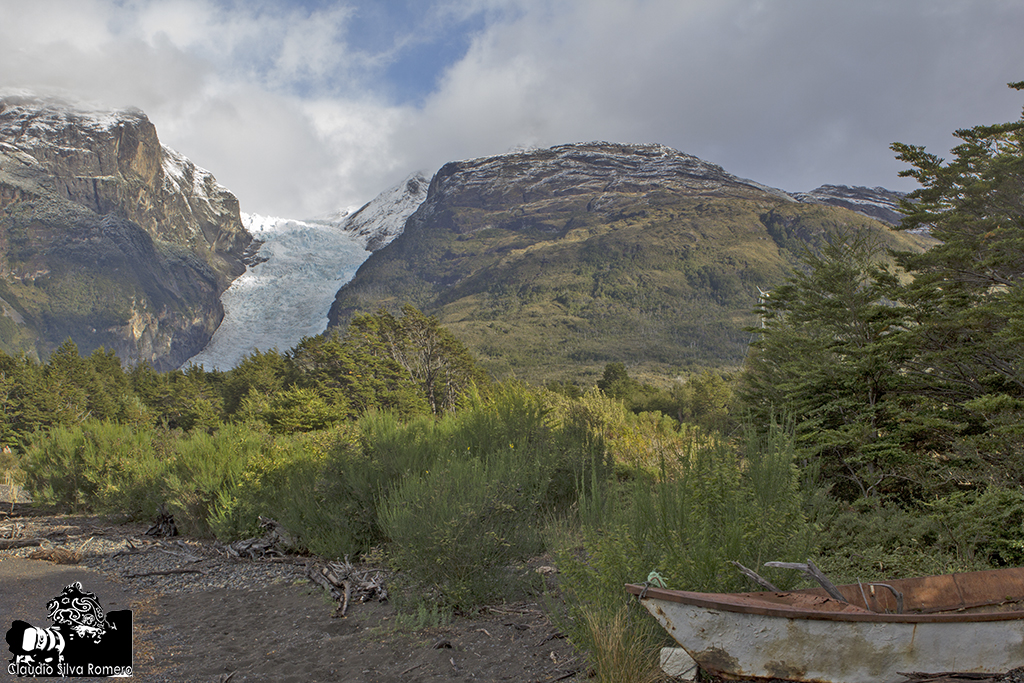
(665, 283)
(875, 428)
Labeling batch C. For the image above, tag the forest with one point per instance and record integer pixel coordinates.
(876, 427)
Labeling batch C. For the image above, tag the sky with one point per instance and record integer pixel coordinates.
(304, 107)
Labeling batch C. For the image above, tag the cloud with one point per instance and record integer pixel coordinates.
(792, 93)
(305, 106)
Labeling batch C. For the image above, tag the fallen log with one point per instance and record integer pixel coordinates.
(58, 555)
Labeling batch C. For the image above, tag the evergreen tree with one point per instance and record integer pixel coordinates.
(261, 373)
(828, 358)
(967, 294)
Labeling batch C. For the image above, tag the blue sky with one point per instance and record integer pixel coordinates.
(302, 107)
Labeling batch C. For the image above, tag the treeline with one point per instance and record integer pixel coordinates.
(407, 364)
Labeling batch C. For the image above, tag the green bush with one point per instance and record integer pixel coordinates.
(98, 466)
(872, 541)
(459, 531)
(204, 468)
(727, 502)
(981, 527)
(319, 486)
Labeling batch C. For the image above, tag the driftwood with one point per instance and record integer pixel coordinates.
(10, 543)
(164, 524)
(164, 572)
(344, 581)
(276, 541)
(755, 577)
(184, 553)
(813, 572)
(58, 555)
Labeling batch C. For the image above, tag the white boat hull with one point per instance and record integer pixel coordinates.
(800, 649)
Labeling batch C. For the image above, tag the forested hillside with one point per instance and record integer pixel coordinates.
(550, 264)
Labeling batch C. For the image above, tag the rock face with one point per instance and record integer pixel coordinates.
(107, 237)
(550, 263)
(877, 202)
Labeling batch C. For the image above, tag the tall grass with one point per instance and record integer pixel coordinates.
(625, 648)
(719, 501)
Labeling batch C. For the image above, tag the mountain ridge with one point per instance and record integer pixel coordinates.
(550, 263)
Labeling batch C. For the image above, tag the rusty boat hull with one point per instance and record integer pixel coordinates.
(969, 623)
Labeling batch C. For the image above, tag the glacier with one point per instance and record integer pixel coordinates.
(287, 295)
(300, 266)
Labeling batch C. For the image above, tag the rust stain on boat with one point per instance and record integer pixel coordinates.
(717, 660)
(785, 671)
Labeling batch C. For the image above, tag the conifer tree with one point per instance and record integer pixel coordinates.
(967, 293)
(827, 359)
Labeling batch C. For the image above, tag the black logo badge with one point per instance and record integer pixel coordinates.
(83, 641)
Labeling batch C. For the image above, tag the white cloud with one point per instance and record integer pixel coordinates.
(299, 115)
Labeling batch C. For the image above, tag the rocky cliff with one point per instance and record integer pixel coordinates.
(550, 263)
(107, 237)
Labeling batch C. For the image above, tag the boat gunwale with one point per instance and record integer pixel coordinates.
(749, 605)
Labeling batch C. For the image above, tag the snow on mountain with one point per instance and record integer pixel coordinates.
(299, 266)
(383, 219)
(876, 202)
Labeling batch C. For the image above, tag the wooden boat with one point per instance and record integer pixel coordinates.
(966, 623)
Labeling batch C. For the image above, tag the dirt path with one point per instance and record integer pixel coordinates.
(199, 616)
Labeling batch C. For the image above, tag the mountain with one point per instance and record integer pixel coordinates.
(295, 270)
(551, 263)
(108, 237)
(876, 202)
(380, 221)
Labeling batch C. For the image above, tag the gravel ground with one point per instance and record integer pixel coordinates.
(202, 615)
(172, 565)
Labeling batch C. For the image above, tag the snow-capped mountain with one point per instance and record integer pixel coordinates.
(299, 266)
(107, 237)
(383, 219)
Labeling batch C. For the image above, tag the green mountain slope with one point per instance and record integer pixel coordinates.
(550, 264)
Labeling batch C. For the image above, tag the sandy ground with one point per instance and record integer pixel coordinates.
(275, 629)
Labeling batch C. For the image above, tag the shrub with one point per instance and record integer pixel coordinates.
(982, 527)
(98, 466)
(726, 502)
(204, 468)
(459, 530)
(319, 486)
